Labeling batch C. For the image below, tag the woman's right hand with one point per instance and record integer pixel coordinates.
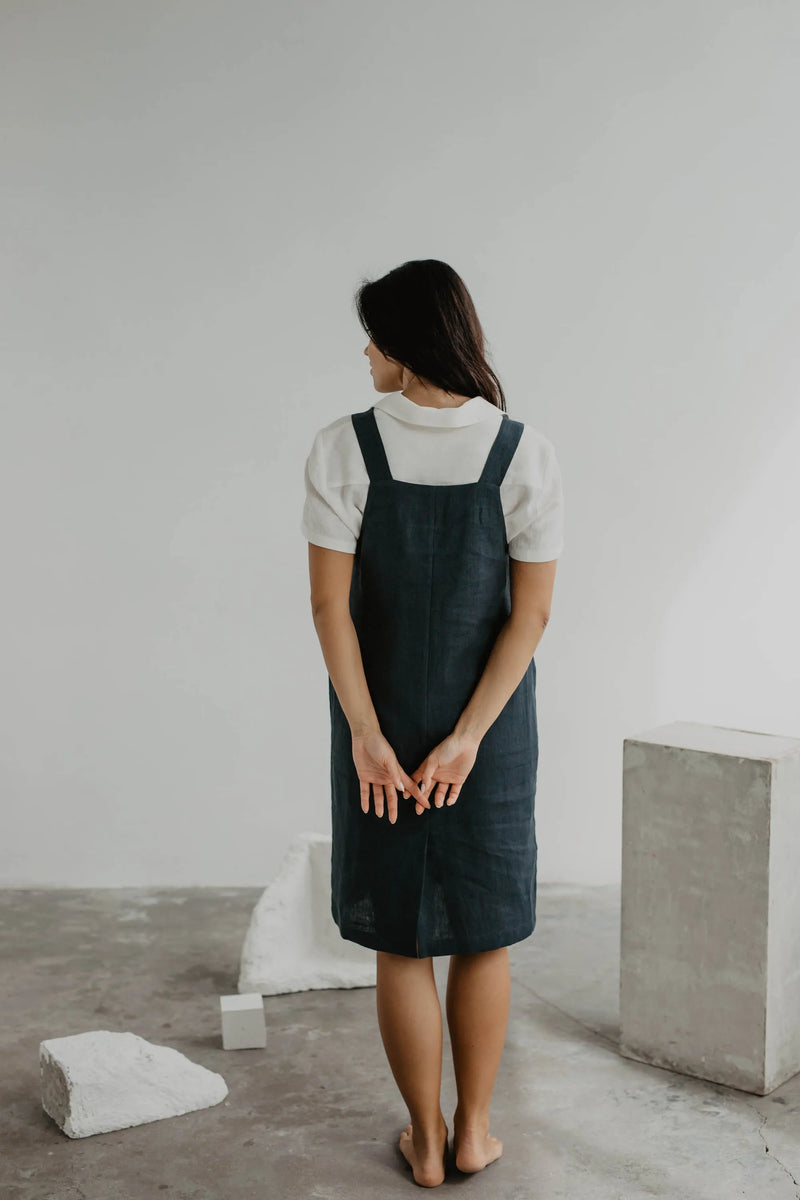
(376, 764)
(447, 766)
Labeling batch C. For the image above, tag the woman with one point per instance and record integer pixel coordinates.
(434, 524)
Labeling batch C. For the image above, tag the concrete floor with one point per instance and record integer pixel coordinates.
(316, 1115)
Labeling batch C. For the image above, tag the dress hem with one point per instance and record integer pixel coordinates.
(440, 946)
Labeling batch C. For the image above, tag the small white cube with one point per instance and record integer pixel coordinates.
(243, 1024)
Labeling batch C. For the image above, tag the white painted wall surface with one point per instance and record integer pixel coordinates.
(190, 194)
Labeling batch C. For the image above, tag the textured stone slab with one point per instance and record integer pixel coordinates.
(98, 1081)
(710, 937)
(293, 943)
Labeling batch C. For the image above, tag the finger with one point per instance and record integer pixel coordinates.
(427, 781)
(417, 792)
(454, 793)
(441, 790)
(401, 787)
(379, 798)
(364, 796)
(391, 798)
(420, 805)
(413, 789)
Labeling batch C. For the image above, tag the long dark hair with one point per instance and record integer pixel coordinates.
(421, 315)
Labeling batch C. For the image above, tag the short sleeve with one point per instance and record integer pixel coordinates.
(539, 518)
(328, 519)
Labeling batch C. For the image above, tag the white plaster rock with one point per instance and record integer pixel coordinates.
(293, 943)
(98, 1081)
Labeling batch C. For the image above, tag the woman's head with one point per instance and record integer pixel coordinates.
(420, 316)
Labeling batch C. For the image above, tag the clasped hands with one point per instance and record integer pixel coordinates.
(447, 765)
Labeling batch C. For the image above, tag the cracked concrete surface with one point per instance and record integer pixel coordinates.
(316, 1114)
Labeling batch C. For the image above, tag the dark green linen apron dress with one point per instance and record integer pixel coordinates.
(430, 592)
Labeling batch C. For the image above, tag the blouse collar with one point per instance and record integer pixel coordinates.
(466, 413)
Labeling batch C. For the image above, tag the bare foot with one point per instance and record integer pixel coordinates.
(474, 1150)
(426, 1162)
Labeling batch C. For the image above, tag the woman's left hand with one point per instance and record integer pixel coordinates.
(376, 764)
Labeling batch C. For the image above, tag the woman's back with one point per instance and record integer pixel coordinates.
(434, 446)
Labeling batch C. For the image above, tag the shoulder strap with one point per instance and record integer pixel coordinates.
(372, 448)
(502, 450)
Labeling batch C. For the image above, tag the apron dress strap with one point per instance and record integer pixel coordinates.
(502, 451)
(372, 448)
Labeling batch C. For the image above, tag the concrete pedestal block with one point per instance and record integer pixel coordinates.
(293, 943)
(710, 937)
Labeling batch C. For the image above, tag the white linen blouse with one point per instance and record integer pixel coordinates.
(435, 446)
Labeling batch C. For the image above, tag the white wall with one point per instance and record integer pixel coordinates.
(190, 194)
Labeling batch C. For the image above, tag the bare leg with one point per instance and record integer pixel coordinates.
(410, 1021)
(478, 1000)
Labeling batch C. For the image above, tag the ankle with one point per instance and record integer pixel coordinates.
(429, 1133)
(471, 1123)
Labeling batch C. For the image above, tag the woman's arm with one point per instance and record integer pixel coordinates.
(448, 764)
(330, 573)
(531, 596)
